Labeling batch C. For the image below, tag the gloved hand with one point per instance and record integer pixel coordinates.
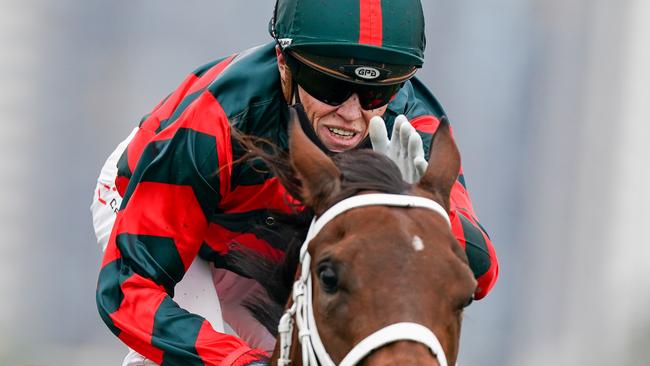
(405, 148)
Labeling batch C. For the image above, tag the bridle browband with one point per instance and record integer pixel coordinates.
(313, 350)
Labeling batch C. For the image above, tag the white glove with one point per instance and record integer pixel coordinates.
(135, 359)
(405, 148)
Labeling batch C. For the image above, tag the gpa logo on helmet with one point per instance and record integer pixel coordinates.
(366, 72)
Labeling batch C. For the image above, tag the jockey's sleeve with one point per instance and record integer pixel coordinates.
(473, 237)
(175, 186)
(464, 223)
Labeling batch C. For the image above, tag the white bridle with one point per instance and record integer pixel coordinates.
(313, 350)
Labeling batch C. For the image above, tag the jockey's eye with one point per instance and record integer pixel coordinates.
(328, 277)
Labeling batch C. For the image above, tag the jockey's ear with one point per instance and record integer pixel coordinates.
(444, 165)
(320, 178)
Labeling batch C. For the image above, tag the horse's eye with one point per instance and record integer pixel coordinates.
(328, 278)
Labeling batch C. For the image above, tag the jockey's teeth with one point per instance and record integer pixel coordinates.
(341, 132)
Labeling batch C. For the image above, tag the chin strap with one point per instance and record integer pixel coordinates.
(313, 350)
(305, 123)
(307, 127)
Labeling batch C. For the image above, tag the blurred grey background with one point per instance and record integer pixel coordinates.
(548, 99)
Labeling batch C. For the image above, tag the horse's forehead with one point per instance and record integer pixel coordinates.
(369, 218)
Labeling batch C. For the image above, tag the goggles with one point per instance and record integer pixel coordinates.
(334, 91)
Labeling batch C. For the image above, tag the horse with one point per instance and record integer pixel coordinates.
(379, 279)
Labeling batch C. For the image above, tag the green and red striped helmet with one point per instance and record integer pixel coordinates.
(347, 38)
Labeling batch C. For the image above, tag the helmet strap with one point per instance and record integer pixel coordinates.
(307, 127)
(296, 93)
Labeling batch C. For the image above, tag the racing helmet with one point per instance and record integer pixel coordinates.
(366, 42)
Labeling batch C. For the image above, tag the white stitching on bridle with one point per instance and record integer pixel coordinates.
(313, 350)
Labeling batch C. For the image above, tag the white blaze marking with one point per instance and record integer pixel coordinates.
(417, 243)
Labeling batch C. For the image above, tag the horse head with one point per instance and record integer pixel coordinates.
(375, 265)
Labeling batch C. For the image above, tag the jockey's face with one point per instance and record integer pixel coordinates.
(339, 127)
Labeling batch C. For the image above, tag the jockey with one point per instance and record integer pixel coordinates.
(176, 189)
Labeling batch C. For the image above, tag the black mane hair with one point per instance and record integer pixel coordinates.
(362, 170)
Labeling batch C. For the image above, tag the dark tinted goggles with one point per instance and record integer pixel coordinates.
(334, 92)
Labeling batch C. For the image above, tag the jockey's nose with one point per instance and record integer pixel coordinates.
(350, 110)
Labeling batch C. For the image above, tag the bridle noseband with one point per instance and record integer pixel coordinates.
(313, 350)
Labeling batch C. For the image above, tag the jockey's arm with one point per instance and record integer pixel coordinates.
(423, 111)
(156, 237)
(465, 225)
(473, 238)
(195, 293)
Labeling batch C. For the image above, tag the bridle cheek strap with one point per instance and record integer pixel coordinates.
(313, 350)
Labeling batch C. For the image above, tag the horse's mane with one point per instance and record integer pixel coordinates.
(361, 170)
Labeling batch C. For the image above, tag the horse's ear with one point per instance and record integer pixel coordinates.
(444, 164)
(320, 178)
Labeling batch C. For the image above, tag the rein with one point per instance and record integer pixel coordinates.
(313, 350)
